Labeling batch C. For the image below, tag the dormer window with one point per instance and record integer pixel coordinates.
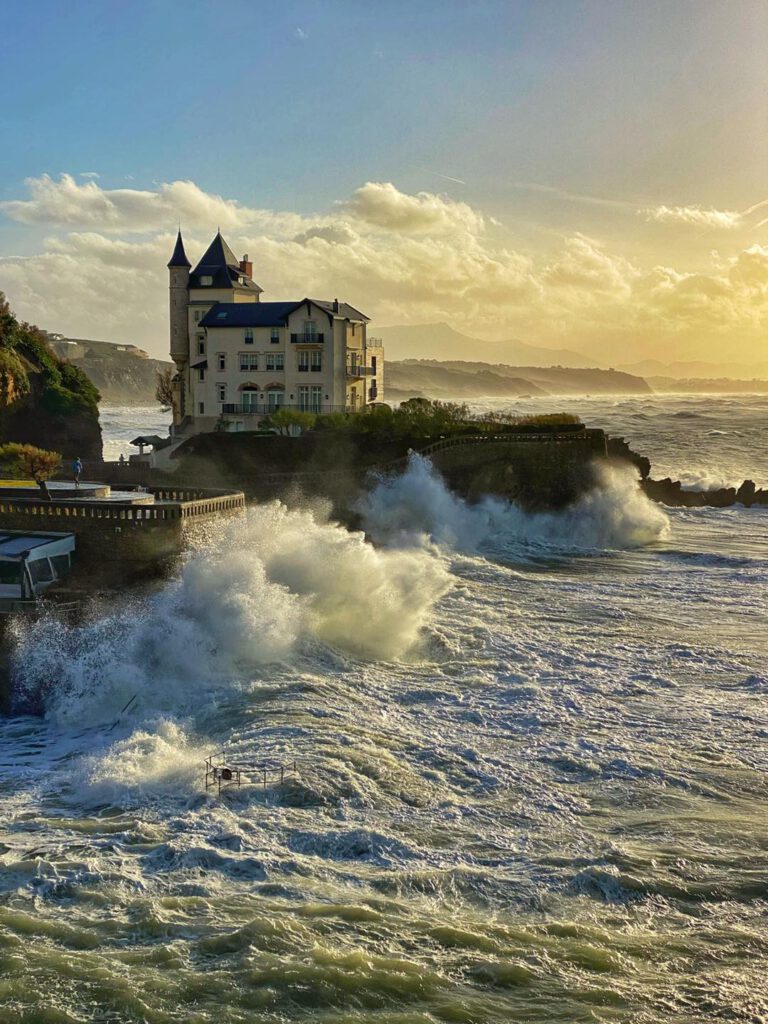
(206, 282)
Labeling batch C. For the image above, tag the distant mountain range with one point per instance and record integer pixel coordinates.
(697, 370)
(457, 379)
(441, 341)
(125, 375)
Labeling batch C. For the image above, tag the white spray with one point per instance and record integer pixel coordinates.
(253, 597)
(417, 509)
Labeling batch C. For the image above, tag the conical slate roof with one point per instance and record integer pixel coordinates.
(220, 264)
(218, 254)
(179, 258)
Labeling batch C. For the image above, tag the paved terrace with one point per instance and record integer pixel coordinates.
(93, 500)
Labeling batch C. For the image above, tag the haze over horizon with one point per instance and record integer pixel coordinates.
(585, 176)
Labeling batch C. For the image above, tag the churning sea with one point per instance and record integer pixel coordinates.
(532, 753)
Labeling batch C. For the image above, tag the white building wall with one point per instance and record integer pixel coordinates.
(224, 386)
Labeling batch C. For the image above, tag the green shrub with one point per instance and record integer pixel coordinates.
(25, 460)
(283, 420)
(79, 383)
(65, 389)
(14, 381)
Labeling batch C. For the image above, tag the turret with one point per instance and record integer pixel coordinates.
(178, 273)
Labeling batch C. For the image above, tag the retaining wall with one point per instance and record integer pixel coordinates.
(134, 537)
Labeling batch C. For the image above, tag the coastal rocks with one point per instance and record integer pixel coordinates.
(618, 448)
(671, 492)
(74, 435)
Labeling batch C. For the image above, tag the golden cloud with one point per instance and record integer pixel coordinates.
(399, 257)
(694, 216)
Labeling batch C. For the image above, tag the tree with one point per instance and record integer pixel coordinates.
(283, 419)
(22, 461)
(164, 392)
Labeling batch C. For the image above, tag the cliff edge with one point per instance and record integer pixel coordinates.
(44, 400)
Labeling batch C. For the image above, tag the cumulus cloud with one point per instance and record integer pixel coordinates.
(586, 265)
(382, 205)
(333, 234)
(67, 203)
(696, 216)
(399, 257)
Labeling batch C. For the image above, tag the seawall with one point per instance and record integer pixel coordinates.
(539, 470)
(123, 540)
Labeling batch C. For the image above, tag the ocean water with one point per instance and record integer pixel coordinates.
(121, 423)
(532, 758)
(706, 441)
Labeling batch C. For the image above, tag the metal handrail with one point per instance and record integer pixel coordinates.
(233, 409)
(220, 771)
(302, 338)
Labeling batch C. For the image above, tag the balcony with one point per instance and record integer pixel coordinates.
(307, 339)
(261, 410)
(360, 371)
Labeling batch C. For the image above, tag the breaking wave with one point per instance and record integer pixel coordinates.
(261, 591)
(270, 588)
(417, 509)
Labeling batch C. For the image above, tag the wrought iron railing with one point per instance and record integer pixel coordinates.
(304, 338)
(321, 409)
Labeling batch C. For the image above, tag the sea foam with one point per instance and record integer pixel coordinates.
(258, 592)
(417, 509)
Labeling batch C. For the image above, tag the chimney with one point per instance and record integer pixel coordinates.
(246, 267)
(335, 305)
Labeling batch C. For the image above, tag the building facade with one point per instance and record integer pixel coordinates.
(239, 359)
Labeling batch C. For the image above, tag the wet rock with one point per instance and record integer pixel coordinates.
(670, 492)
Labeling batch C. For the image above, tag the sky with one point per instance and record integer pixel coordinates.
(591, 175)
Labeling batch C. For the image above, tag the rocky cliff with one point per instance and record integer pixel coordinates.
(44, 400)
(124, 374)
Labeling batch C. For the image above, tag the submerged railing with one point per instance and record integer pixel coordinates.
(221, 771)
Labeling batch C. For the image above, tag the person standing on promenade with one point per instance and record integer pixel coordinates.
(77, 469)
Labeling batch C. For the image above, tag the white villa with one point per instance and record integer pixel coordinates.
(239, 358)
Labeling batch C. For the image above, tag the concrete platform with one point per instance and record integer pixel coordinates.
(62, 490)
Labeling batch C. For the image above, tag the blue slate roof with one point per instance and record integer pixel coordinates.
(344, 309)
(248, 314)
(179, 258)
(269, 314)
(220, 264)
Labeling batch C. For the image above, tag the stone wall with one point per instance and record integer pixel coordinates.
(537, 472)
(118, 541)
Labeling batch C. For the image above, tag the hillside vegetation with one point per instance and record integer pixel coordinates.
(124, 375)
(44, 400)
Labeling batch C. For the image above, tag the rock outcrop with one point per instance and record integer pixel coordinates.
(124, 374)
(44, 400)
(671, 492)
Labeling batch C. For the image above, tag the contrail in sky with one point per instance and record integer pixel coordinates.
(574, 197)
(446, 176)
